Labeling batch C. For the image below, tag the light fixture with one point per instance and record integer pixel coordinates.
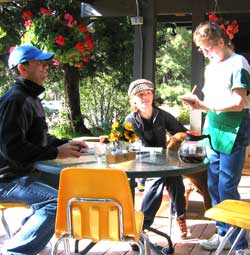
(173, 28)
(91, 27)
(137, 20)
(87, 9)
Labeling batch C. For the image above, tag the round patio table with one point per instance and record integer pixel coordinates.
(163, 164)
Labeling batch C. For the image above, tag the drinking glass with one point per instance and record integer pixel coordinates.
(100, 152)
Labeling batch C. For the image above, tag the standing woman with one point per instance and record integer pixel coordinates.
(151, 124)
(227, 81)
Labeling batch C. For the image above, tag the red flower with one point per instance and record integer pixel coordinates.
(90, 44)
(59, 40)
(70, 19)
(80, 46)
(27, 23)
(46, 11)
(83, 28)
(213, 18)
(56, 62)
(235, 26)
(86, 59)
(26, 15)
(232, 29)
(222, 26)
(78, 65)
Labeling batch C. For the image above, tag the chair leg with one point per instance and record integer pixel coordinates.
(144, 247)
(224, 241)
(65, 240)
(86, 249)
(5, 224)
(242, 231)
(171, 216)
(66, 246)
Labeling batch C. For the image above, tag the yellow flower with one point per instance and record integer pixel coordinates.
(129, 126)
(122, 132)
(115, 125)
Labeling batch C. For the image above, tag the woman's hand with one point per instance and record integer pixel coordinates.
(175, 141)
(191, 100)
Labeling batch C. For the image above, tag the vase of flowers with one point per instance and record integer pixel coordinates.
(120, 138)
(122, 135)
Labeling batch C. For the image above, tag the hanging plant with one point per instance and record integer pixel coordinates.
(230, 27)
(60, 32)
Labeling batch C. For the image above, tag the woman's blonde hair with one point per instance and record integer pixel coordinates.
(210, 32)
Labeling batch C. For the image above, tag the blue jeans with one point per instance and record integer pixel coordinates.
(224, 175)
(153, 193)
(37, 228)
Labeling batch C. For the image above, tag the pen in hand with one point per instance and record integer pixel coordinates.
(190, 101)
(194, 88)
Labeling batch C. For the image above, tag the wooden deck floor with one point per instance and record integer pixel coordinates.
(200, 228)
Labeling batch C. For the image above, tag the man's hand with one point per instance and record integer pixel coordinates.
(71, 149)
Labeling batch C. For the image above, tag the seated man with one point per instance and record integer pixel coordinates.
(24, 140)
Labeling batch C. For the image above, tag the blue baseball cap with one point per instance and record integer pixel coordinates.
(26, 53)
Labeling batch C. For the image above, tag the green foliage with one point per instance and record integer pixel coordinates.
(6, 79)
(114, 46)
(173, 57)
(170, 94)
(11, 23)
(2, 35)
(103, 102)
(59, 127)
(173, 65)
(184, 115)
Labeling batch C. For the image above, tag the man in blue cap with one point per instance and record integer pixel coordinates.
(24, 140)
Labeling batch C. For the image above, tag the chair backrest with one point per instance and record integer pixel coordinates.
(90, 219)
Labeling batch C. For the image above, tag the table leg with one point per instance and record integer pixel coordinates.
(133, 185)
(164, 250)
(160, 250)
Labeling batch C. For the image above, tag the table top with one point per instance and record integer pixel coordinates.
(162, 164)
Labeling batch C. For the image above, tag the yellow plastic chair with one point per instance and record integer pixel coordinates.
(97, 204)
(233, 212)
(6, 205)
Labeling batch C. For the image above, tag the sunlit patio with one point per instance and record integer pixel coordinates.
(200, 228)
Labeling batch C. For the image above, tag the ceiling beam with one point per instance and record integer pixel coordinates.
(112, 8)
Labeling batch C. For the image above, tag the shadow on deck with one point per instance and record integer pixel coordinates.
(200, 228)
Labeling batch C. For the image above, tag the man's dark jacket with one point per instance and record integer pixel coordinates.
(24, 136)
